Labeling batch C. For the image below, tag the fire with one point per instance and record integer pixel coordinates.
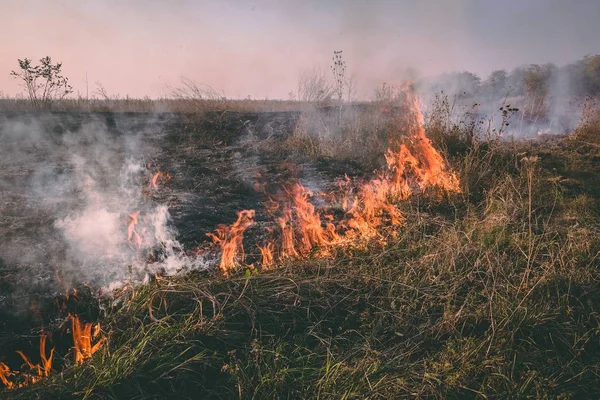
(43, 371)
(418, 157)
(369, 208)
(5, 372)
(287, 234)
(160, 175)
(131, 231)
(82, 339)
(266, 253)
(229, 239)
(38, 371)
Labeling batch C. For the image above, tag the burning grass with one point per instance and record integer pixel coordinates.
(413, 164)
(490, 291)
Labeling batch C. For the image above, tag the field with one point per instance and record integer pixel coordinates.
(480, 281)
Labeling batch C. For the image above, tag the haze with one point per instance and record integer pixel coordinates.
(258, 48)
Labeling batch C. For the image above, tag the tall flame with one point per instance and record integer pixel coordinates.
(82, 339)
(412, 164)
(229, 239)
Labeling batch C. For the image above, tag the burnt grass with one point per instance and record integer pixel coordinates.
(490, 293)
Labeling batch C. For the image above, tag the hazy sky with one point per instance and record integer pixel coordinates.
(259, 47)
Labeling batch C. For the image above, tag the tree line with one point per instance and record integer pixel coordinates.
(580, 78)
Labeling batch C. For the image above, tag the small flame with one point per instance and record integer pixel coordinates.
(82, 340)
(287, 234)
(267, 254)
(5, 372)
(131, 231)
(39, 371)
(160, 175)
(229, 239)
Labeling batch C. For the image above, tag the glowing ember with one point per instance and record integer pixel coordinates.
(229, 239)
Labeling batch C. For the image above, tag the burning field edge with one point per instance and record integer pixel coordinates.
(465, 272)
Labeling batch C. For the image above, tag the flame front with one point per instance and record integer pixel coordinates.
(412, 164)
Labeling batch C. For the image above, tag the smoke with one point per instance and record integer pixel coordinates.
(542, 99)
(72, 188)
(258, 48)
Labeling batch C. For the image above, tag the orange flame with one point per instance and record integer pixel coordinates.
(160, 175)
(266, 253)
(131, 231)
(82, 339)
(424, 161)
(230, 239)
(5, 372)
(287, 234)
(42, 371)
(369, 208)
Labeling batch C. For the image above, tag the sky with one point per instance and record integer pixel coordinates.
(258, 48)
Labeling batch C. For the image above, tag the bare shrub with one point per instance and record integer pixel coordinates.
(44, 83)
(314, 87)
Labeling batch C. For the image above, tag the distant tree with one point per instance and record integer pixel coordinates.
(459, 83)
(591, 72)
(537, 80)
(496, 84)
(468, 82)
(44, 83)
(515, 81)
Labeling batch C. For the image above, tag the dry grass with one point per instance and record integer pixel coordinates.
(490, 293)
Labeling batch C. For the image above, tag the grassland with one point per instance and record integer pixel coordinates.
(490, 293)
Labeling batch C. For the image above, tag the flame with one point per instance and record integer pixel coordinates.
(287, 234)
(131, 231)
(418, 156)
(412, 163)
(160, 175)
(266, 253)
(229, 239)
(41, 371)
(82, 339)
(46, 361)
(5, 372)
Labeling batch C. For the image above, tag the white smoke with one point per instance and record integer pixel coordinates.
(81, 187)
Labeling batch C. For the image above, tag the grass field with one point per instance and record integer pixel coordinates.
(493, 292)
